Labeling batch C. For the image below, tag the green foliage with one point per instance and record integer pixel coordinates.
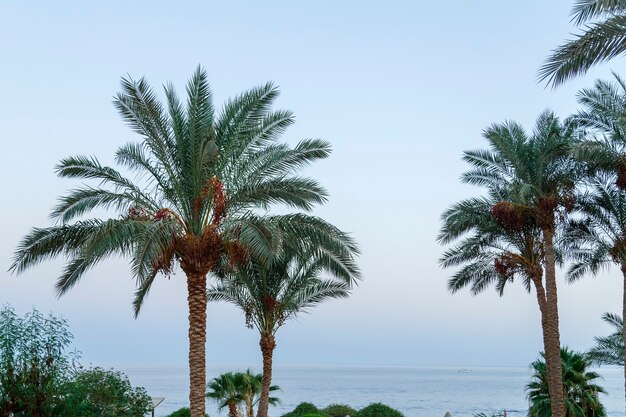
(38, 376)
(183, 412)
(193, 193)
(603, 25)
(497, 237)
(609, 350)
(378, 410)
(581, 393)
(104, 393)
(191, 160)
(339, 410)
(304, 409)
(238, 388)
(34, 363)
(224, 390)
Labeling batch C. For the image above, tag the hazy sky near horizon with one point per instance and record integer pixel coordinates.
(400, 89)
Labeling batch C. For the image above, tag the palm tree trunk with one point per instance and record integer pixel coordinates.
(624, 327)
(268, 344)
(232, 409)
(552, 342)
(249, 408)
(540, 290)
(196, 299)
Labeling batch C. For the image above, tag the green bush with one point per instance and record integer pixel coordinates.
(104, 393)
(38, 375)
(183, 412)
(378, 410)
(339, 410)
(314, 415)
(34, 363)
(304, 409)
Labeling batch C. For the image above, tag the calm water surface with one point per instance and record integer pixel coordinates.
(416, 391)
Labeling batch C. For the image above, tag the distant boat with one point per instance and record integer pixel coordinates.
(464, 371)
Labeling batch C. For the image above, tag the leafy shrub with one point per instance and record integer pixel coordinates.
(104, 393)
(33, 363)
(378, 410)
(339, 410)
(39, 377)
(314, 415)
(303, 409)
(183, 412)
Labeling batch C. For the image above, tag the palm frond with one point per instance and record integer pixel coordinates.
(586, 10)
(145, 285)
(598, 43)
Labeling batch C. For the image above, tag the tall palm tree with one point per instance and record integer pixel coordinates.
(270, 293)
(581, 392)
(599, 239)
(609, 350)
(530, 182)
(200, 177)
(603, 37)
(225, 391)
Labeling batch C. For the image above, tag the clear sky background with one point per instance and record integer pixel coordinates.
(400, 89)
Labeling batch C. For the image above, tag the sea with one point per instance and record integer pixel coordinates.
(415, 391)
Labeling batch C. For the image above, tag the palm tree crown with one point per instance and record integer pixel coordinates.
(581, 392)
(271, 293)
(225, 391)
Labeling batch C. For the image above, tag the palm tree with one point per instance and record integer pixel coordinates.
(599, 239)
(232, 389)
(270, 293)
(603, 38)
(251, 387)
(530, 183)
(225, 391)
(200, 177)
(609, 350)
(581, 393)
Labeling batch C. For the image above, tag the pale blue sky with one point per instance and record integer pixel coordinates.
(400, 89)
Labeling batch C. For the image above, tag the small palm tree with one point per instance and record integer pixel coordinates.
(201, 177)
(226, 392)
(270, 293)
(232, 389)
(251, 387)
(603, 38)
(581, 392)
(609, 350)
(530, 182)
